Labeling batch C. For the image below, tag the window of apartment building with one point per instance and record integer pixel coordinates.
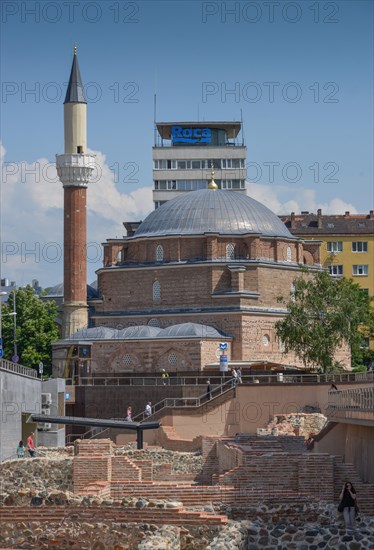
(232, 163)
(359, 246)
(159, 203)
(336, 270)
(230, 251)
(233, 184)
(360, 270)
(365, 291)
(156, 291)
(159, 253)
(335, 246)
(192, 185)
(165, 184)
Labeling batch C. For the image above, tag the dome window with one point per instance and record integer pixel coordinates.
(127, 360)
(154, 323)
(230, 251)
(159, 253)
(172, 359)
(156, 291)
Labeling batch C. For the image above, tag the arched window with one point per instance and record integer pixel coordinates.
(159, 253)
(288, 254)
(265, 340)
(153, 323)
(156, 291)
(230, 251)
(292, 291)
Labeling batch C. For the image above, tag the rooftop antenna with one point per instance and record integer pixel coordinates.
(241, 120)
(155, 108)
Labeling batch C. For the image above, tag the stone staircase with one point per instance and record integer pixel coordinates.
(169, 439)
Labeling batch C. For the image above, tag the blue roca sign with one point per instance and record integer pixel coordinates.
(190, 135)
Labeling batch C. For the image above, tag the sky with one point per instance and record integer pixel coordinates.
(299, 74)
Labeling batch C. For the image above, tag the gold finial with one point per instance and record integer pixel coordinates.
(75, 48)
(212, 184)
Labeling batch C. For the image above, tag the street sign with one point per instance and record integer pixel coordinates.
(223, 346)
(41, 368)
(15, 358)
(1, 352)
(223, 363)
(1, 342)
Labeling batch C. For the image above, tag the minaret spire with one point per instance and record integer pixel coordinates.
(75, 92)
(74, 169)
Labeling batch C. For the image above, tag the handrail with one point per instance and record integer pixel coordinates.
(18, 369)
(357, 399)
(176, 380)
(187, 401)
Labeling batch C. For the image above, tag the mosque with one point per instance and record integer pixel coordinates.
(193, 287)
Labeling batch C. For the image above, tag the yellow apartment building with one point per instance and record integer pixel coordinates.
(347, 248)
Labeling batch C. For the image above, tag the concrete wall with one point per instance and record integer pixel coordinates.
(355, 443)
(19, 394)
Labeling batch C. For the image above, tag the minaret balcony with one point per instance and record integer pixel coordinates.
(75, 170)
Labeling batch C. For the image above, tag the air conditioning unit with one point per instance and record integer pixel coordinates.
(46, 399)
(45, 427)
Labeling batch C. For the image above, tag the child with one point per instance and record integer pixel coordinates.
(21, 450)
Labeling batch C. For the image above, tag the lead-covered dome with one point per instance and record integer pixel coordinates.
(208, 211)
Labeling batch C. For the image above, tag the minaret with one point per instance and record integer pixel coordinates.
(74, 169)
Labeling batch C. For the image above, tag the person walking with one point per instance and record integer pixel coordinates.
(239, 373)
(347, 504)
(208, 390)
(129, 414)
(165, 377)
(31, 445)
(148, 409)
(234, 377)
(21, 450)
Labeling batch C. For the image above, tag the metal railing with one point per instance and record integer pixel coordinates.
(187, 402)
(18, 369)
(176, 380)
(357, 399)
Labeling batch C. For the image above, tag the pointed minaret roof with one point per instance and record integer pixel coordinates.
(74, 93)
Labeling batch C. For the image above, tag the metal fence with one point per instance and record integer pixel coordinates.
(176, 380)
(358, 399)
(18, 369)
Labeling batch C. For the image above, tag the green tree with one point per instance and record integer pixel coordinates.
(323, 313)
(36, 328)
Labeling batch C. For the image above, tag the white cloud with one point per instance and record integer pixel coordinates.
(32, 217)
(283, 200)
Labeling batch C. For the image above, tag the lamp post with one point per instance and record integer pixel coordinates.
(2, 293)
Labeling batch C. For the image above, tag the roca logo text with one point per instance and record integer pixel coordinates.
(190, 135)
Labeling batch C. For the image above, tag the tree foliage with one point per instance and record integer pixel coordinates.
(36, 328)
(323, 313)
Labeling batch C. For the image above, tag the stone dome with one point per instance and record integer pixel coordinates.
(208, 211)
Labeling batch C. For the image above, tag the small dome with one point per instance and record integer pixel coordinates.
(95, 333)
(139, 332)
(207, 211)
(190, 330)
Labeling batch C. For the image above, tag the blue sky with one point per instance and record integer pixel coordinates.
(315, 57)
